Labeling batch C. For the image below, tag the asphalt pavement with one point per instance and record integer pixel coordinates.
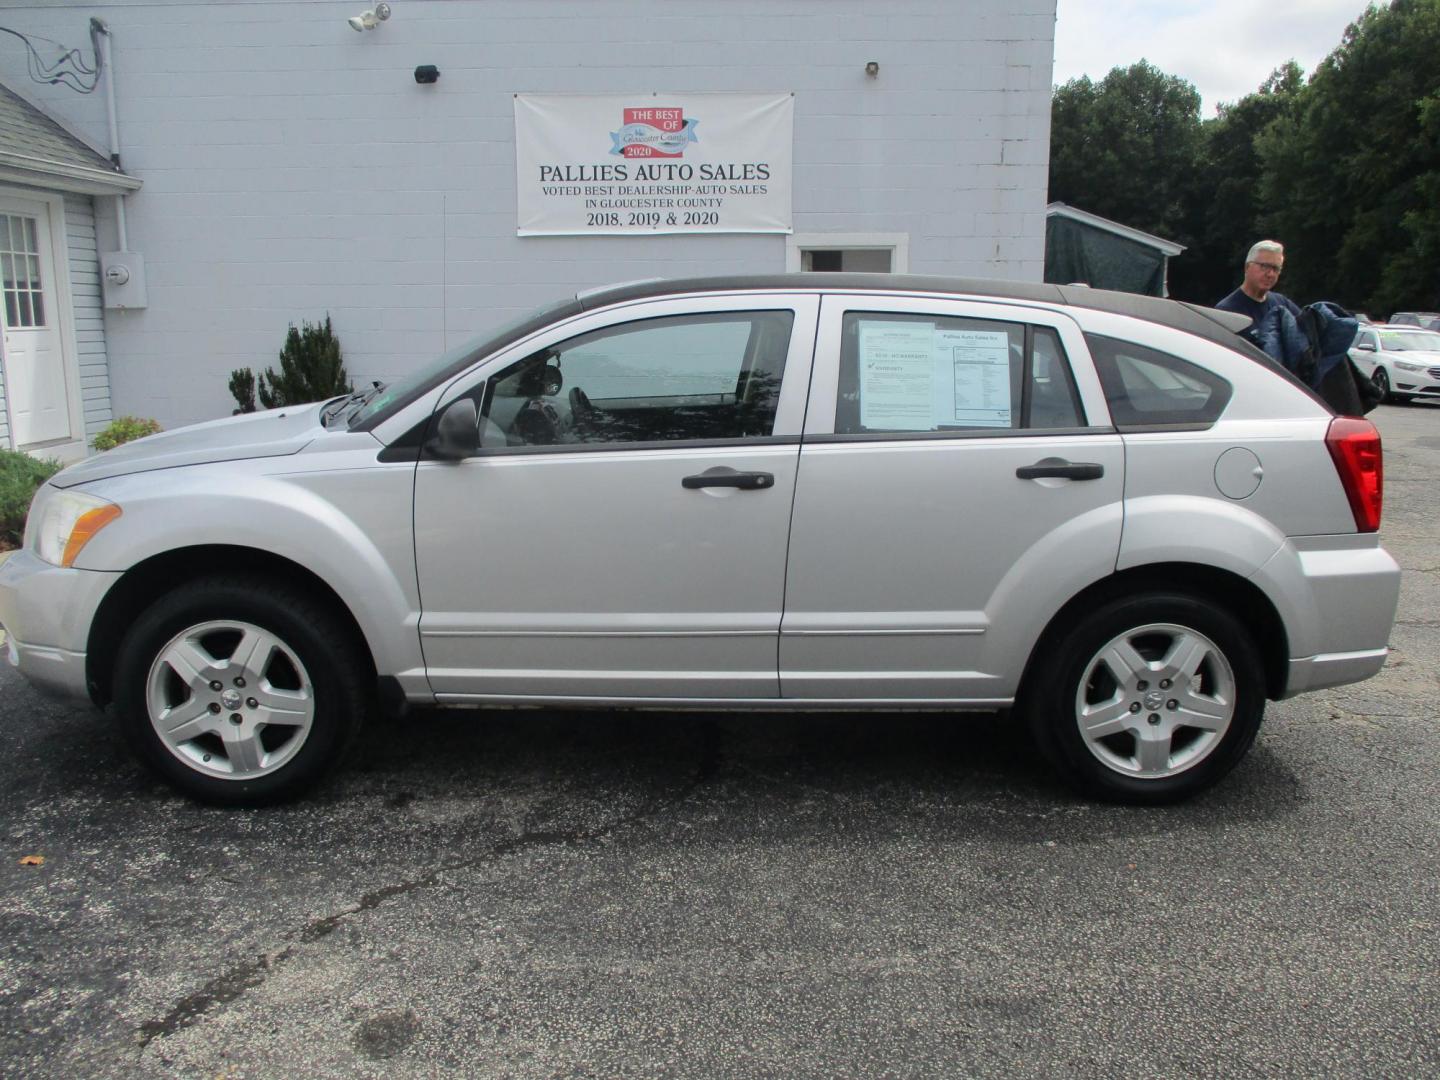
(537, 894)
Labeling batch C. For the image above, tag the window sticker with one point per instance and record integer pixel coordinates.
(972, 369)
(897, 367)
(915, 376)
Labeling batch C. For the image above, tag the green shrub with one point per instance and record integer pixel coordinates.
(242, 388)
(310, 368)
(123, 430)
(20, 475)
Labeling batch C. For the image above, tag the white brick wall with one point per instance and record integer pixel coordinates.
(292, 167)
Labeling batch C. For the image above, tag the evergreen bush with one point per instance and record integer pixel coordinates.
(242, 388)
(20, 476)
(310, 368)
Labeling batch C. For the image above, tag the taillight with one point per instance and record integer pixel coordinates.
(1355, 446)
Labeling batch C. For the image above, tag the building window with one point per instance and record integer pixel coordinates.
(855, 253)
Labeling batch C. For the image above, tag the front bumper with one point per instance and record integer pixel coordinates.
(46, 612)
(1421, 383)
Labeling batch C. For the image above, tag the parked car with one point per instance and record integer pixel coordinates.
(1106, 513)
(1426, 320)
(1403, 362)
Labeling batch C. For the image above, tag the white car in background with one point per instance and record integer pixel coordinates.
(1403, 361)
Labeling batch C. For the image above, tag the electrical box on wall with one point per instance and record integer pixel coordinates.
(122, 279)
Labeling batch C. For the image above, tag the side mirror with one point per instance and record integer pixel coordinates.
(1365, 346)
(457, 435)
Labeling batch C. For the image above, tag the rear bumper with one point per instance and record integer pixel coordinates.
(1337, 596)
(46, 612)
(1333, 669)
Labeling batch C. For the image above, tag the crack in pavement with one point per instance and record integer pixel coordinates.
(232, 984)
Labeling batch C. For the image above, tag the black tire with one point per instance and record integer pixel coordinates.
(315, 652)
(1069, 664)
(1382, 383)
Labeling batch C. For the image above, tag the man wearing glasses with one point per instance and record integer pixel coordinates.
(1275, 329)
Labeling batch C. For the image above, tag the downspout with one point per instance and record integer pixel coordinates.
(98, 26)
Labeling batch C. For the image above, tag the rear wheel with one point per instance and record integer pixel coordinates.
(240, 692)
(1149, 699)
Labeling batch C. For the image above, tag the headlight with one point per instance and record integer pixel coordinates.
(62, 522)
(1405, 365)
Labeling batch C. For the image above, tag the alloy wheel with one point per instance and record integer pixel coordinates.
(230, 699)
(1155, 701)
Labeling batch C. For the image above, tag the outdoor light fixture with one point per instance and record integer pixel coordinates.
(872, 68)
(426, 74)
(368, 20)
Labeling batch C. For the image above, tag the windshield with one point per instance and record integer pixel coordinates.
(1409, 341)
(400, 392)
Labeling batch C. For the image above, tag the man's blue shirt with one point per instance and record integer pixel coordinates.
(1275, 328)
(1238, 302)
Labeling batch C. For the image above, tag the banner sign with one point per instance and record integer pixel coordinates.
(623, 164)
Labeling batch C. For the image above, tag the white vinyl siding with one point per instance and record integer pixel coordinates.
(4, 415)
(89, 314)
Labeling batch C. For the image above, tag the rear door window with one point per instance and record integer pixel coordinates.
(903, 372)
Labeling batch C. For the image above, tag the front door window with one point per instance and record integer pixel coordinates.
(20, 272)
(677, 379)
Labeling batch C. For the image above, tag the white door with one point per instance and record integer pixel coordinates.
(622, 532)
(35, 368)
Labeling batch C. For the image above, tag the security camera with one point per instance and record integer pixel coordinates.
(368, 20)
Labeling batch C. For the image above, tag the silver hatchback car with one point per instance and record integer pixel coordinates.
(1106, 513)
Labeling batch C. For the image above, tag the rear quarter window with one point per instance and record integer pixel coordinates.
(1147, 389)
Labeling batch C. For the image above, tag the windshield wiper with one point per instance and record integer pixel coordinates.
(349, 405)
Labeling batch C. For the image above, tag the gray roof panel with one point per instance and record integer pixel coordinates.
(36, 141)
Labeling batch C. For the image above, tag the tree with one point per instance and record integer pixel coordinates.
(1225, 212)
(1125, 148)
(1351, 180)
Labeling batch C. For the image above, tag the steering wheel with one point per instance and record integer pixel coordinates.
(537, 424)
(582, 413)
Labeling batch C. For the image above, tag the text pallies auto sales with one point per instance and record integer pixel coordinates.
(650, 170)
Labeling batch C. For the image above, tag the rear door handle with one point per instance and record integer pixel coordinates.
(745, 481)
(1061, 469)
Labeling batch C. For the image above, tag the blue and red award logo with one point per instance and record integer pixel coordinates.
(653, 133)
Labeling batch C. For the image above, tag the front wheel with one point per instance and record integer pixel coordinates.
(240, 692)
(1149, 699)
(1382, 383)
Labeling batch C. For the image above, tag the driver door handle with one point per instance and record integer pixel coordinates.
(1061, 469)
(745, 481)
